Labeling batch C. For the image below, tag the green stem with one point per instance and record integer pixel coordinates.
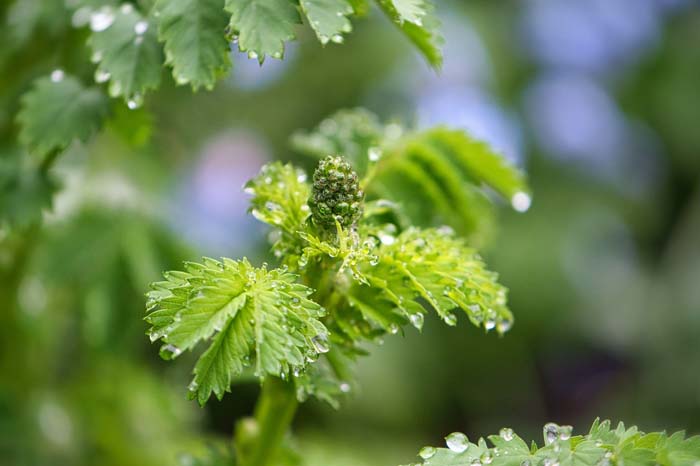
(273, 415)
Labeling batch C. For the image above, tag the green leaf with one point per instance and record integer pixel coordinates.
(435, 268)
(58, 110)
(600, 447)
(249, 314)
(328, 18)
(25, 192)
(263, 26)
(280, 194)
(126, 49)
(417, 21)
(351, 133)
(436, 176)
(195, 44)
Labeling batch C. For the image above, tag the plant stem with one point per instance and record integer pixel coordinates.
(273, 415)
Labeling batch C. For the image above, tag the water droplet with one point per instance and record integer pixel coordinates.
(337, 38)
(393, 329)
(81, 17)
(170, 351)
(490, 321)
(101, 76)
(135, 102)
(551, 433)
(521, 201)
(345, 387)
(486, 457)
(374, 154)
(193, 386)
(476, 462)
(506, 434)
(323, 38)
(504, 324)
(427, 452)
(417, 320)
(320, 343)
(96, 57)
(102, 19)
(127, 8)
(252, 55)
(450, 319)
(386, 238)
(57, 76)
(272, 206)
(550, 462)
(565, 432)
(457, 442)
(141, 27)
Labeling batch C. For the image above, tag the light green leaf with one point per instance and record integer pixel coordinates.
(440, 271)
(195, 44)
(328, 18)
(601, 447)
(126, 49)
(418, 22)
(280, 194)
(436, 176)
(263, 26)
(57, 111)
(249, 314)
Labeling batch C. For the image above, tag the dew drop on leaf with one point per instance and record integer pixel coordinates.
(57, 76)
(550, 432)
(102, 19)
(521, 201)
(457, 442)
(506, 434)
(417, 320)
(427, 452)
(141, 27)
(101, 76)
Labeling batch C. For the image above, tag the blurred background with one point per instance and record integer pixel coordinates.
(598, 100)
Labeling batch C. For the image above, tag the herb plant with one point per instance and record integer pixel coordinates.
(353, 267)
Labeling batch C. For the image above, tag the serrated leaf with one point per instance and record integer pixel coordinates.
(435, 177)
(57, 111)
(328, 18)
(126, 49)
(418, 22)
(249, 314)
(25, 192)
(195, 44)
(440, 271)
(623, 446)
(280, 194)
(263, 26)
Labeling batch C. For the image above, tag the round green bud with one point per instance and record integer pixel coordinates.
(336, 194)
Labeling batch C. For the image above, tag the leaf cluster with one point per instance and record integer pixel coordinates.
(603, 445)
(336, 290)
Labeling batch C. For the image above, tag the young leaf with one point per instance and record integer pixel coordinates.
(263, 26)
(328, 18)
(195, 44)
(125, 47)
(435, 176)
(417, 21)
(280, 194)
(435, 268)
(58, 110)
(600, 447)
(246, 312)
